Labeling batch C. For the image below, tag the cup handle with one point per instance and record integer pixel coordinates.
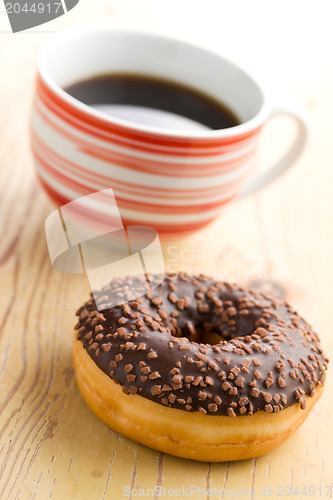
(286, 107)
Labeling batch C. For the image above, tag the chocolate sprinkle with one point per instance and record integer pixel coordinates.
(265, 356)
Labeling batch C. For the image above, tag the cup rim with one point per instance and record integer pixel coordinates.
(236, 130)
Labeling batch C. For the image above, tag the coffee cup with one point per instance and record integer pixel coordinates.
(176, 181)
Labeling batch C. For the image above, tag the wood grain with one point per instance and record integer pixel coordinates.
(281, 240)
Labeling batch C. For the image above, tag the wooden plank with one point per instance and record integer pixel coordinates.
(51, 445)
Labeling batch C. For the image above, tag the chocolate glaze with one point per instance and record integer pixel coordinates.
(264, 357)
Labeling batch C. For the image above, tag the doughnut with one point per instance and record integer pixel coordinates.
(197, 368)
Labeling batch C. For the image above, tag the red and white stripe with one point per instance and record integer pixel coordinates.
(175, 184)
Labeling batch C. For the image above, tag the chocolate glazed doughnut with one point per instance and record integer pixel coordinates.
(197, 368)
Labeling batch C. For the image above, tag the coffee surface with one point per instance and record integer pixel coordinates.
(155, 102)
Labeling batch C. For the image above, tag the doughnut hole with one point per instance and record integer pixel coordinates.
(201, 336)
(211, 330)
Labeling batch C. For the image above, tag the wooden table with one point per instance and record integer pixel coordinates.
(280, 240)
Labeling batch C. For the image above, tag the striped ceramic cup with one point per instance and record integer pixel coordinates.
(174, 181)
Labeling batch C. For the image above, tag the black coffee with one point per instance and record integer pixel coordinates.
(153, 101)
